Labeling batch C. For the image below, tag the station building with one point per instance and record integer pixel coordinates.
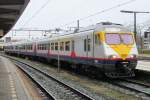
(146, 39)
(1, 44)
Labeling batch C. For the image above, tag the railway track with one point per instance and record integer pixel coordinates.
(54, 88)
(128, 84)
(138, 82)
(133, 85)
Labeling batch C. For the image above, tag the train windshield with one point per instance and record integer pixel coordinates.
(114, 38)
(127, 38)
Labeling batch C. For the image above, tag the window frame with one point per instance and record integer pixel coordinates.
(52, 46)
(62, 46)
(67, 46)
(87, 45)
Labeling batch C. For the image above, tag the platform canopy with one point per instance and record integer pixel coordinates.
(10, 11)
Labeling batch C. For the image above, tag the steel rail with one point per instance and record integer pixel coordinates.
(49, 96)
(137, 82)
(133, 86)
(72, 89)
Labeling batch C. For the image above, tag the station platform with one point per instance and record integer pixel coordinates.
(12, 86)
(143, 65)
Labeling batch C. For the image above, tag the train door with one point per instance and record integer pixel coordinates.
(85, 51)
(98, 46)
(48, 47)
(88, 45)
(35, 48)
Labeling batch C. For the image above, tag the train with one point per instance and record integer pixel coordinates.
(1, 44)
(106, 47)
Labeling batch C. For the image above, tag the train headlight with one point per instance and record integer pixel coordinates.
(132, 56)
(112, 56)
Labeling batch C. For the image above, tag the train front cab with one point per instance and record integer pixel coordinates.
(120, 54)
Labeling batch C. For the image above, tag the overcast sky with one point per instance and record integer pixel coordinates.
(57, 13)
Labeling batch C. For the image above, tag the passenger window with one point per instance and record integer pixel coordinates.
(61, 46)
(56, 46)
(47, 46)
(41, 47)
(52, 46)
(38, 47)
(97, 39)
(30, 47)
(73, 45)
(44, 46)
(67, 46)
(85, 44)
(23, 47)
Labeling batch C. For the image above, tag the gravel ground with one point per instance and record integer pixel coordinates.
(94, 88)
(54, 88)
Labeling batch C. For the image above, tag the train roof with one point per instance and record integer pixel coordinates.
(103, 26)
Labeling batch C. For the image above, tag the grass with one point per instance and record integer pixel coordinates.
(144, 52)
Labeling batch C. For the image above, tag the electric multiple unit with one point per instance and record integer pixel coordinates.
(105, 47)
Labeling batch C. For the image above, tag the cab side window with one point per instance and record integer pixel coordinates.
(97, 39)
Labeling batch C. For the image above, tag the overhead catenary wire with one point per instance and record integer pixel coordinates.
(47, 2)
(142, 25)
(100, 12)
(108, 9)
(36, 13)
(145, 24)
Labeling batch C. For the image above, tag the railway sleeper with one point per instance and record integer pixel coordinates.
(119, 75)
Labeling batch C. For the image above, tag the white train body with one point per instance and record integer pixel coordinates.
(106, 46)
